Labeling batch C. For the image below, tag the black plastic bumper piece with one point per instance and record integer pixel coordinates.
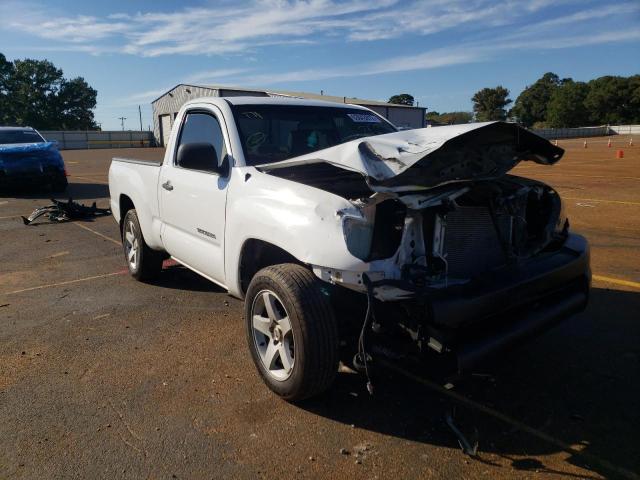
(511, 305)
(537, 320)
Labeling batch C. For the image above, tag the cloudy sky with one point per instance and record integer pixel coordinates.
(440, 51)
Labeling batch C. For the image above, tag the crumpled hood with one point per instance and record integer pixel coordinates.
(26, 147)
(426, 157)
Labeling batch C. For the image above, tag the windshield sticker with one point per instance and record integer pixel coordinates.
(253, 115)
(363, 118)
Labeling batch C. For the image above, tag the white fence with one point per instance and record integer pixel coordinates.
(625, 129)
(554, 133)
(72, 140)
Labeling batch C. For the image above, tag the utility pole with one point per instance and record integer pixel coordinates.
(122, 119)
(140, 115)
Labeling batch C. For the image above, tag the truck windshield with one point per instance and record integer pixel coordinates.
(19, 136)
(271, 133)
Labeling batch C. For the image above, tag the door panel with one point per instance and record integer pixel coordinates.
(193, 202)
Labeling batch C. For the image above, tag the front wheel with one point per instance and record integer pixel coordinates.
(291, 331)
(143, 262)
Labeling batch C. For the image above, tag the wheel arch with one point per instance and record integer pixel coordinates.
(125, 204)
(257, 254)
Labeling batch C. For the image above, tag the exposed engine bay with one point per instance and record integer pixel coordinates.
(451, 234)
(427, 252)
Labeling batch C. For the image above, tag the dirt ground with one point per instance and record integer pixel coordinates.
(105, 377)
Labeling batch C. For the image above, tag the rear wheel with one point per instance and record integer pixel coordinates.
(143, 262)
(291, 331)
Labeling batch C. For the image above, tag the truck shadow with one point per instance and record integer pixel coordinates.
(577, 383)
(177, 277)
(77, 191)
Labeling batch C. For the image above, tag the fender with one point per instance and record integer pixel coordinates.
(302, 220)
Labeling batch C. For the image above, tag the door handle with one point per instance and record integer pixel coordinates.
(167, 185)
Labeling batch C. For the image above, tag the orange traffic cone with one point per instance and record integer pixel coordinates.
(620, 154)
(631, 142)
(609, 143)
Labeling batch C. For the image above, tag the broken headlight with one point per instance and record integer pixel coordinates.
(358, 233)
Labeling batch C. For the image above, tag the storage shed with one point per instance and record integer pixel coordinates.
(166, 107)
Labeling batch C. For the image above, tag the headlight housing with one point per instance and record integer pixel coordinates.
(358, 233)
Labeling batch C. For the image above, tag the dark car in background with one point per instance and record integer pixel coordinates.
(28, 160)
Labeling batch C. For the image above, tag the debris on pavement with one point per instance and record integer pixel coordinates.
(60, 211)
(467, 447)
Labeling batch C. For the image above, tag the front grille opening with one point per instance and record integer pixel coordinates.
(471, 243)
(490, 226)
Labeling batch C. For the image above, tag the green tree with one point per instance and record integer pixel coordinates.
(634, 102)
(612, 100)
(450, 118)
(33, 89)
(38, 95)
(75, 103)
(531, 105)
(490, 103)
(567, 106)
(6, 71)
(402, 99)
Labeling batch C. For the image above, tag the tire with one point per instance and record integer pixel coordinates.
(144, 263)
(60, 184)
(308, 341)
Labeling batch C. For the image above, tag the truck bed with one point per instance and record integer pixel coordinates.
(151, 163)
(134, 181)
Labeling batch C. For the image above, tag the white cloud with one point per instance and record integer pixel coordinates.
(241, 27)
(143, 97)
(214, 76)
(437, 58)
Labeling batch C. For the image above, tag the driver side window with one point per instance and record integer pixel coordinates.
(201, 127)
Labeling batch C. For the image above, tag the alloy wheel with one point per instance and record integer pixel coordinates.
(272, 335)
(131, 245)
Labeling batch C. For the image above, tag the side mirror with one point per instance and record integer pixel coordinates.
(201, 156)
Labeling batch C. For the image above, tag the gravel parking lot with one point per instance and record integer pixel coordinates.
(105, 377)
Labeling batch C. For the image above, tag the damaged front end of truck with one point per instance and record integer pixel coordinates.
(458, 256)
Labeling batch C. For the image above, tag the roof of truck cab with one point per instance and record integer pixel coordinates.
(15, 129)
(277, 101)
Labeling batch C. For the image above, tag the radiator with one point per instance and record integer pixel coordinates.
(471, 243)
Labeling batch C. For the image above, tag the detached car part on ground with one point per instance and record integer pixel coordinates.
(416, 244)
(28, 160)
(61, 211)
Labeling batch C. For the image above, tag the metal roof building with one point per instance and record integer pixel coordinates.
(165, 107)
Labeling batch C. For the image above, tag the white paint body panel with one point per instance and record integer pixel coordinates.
(193, 211)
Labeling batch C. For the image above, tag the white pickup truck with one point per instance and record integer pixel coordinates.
(335, 227)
